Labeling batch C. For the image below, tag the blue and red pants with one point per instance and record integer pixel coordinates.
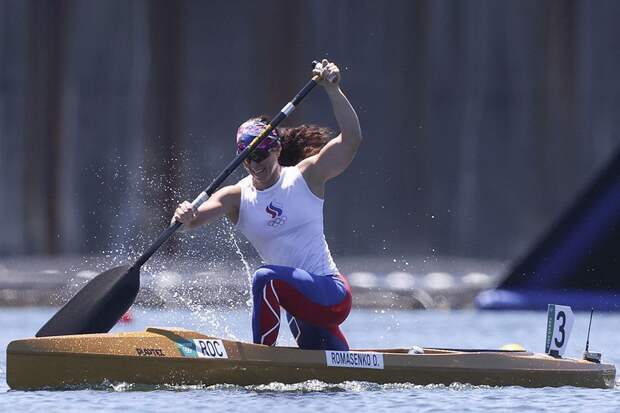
(315, 305)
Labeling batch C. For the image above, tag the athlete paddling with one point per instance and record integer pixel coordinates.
(279, 209)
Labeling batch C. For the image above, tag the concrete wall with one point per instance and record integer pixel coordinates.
(482, 119)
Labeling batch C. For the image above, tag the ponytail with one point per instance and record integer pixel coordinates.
(301, 142)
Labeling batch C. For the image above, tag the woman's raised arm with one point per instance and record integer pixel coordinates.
(338, 153)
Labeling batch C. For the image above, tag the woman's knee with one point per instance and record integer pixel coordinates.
(262, 276)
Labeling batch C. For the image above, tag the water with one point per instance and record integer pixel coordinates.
(364, 328)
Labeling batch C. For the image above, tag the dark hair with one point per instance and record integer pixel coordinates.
(300, 142)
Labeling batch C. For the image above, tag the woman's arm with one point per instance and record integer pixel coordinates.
(225, 201)
(336, 156)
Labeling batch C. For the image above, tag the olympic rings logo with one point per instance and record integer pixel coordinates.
(276, 222)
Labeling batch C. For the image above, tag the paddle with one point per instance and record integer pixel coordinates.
(100, 304)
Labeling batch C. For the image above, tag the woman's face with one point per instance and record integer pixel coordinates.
(266, 169)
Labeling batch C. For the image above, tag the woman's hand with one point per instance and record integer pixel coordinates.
(184, 213)
(329, 74)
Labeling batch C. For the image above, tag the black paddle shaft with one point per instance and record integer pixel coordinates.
(284, 112)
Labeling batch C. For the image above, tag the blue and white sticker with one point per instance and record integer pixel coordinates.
(354, 359)
(186, 348)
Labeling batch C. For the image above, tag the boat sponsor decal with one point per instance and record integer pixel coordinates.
(154, 352)
(207, 348)
(354, 359)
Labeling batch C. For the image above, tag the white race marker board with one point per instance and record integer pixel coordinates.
(560, 320)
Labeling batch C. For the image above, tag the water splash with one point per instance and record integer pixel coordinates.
(209, 317)
(131, 223)
(246, 266)
(310, 386)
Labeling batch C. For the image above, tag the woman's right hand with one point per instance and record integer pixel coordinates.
(329, 74)
(184, 213)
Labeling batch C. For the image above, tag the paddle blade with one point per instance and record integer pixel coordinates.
(97, 306)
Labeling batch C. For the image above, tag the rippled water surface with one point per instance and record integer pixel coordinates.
(364, 328)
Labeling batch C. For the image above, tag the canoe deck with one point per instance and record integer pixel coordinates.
(182, 357)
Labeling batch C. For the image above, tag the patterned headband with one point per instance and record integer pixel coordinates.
(251, 129)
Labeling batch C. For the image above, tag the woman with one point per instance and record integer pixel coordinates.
(279, 208)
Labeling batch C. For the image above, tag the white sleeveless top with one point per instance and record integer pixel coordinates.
(285, 223)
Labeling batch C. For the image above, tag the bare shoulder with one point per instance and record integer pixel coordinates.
(229, 200)
(314, 180)
(305, 165)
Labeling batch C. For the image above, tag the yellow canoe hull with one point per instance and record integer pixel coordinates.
(182, 357)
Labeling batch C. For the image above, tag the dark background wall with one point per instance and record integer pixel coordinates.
(482, 119)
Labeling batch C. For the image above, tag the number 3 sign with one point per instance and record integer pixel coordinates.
(560, 320)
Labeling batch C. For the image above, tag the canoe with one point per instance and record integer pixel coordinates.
(182, 357)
